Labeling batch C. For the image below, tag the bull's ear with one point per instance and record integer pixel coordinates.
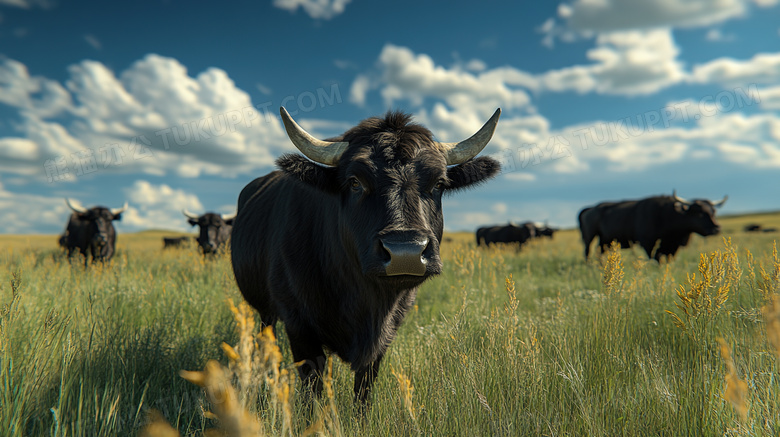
(192, 222)
(117, 216)
(472, 172)
(310, 173)
(680, 207)
(229, 222)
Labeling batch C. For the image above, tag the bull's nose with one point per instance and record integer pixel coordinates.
(406, 256)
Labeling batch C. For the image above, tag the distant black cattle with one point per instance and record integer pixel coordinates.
(542, 230)
(214, 231)
(509, 233)
(174, 242)
(758, 228)
(91, 231)
(336, 243)
(659, 224)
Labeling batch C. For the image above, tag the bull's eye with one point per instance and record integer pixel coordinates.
(355, 184)
(438, 187)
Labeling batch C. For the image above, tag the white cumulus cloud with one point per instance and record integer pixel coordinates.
(317, 9)
(625, 63)
(762, 68)
(611, 15)
(153, 118)
(158, 206)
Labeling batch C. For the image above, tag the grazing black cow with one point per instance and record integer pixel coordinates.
(510, 233)
(214, 229)
(663, 221)
(758, 228)
(91, 231)
(542, 230)
(175, 242)
(336, 245)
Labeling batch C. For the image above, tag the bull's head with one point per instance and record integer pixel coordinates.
(698, 214)
(98, 221)
(390, 176)
(214, 229)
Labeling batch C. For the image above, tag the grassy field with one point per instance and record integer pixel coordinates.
(502, 344)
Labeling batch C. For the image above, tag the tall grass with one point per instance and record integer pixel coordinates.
(535, 342)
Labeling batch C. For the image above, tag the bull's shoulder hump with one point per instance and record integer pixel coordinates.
(256, 186)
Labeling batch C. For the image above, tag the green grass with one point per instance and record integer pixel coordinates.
(91, 353)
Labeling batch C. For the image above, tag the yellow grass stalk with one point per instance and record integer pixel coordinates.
(771, 312)
(157, 426)
(735, 390)
(701, 299)
(612, 276)
(770, 280)
(331, 415)
(407, 391)
(511, 306)
(233, 419)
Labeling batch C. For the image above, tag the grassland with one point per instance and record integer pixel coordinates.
(502, 344)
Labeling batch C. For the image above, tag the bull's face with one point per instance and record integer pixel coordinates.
(99, 225)
(214, 230)
(390, 177)
(391, 212)
(698, 215)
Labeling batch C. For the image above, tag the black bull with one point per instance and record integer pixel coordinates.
(91, 231)
(338, 248)
(660, 224)
(174, 242)
(214, 229)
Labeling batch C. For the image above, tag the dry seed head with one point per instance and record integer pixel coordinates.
(158, 426)
(612, 276)
(771, 312)
(509, 285)
(407, 390)
(222, 396)
(735, 390)
(230, 352)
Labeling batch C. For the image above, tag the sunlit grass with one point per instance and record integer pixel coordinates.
(535, 342)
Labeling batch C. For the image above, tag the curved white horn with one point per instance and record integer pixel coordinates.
(458, 153)
(720, 202)
(227, 217)
(323, 152)
(189, 214)
(116, 211)
(75, 205)
(678, 198)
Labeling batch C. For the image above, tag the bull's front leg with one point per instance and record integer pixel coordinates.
(364, 380)
(309, 353)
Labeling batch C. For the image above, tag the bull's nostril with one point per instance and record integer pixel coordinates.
(405, 257)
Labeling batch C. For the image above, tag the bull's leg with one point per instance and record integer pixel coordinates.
(586, 240)
(604, 245)
(648, 247)
(364, 380)
(307, 350)
(667, 250)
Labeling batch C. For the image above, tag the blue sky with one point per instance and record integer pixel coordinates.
(171, 105)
